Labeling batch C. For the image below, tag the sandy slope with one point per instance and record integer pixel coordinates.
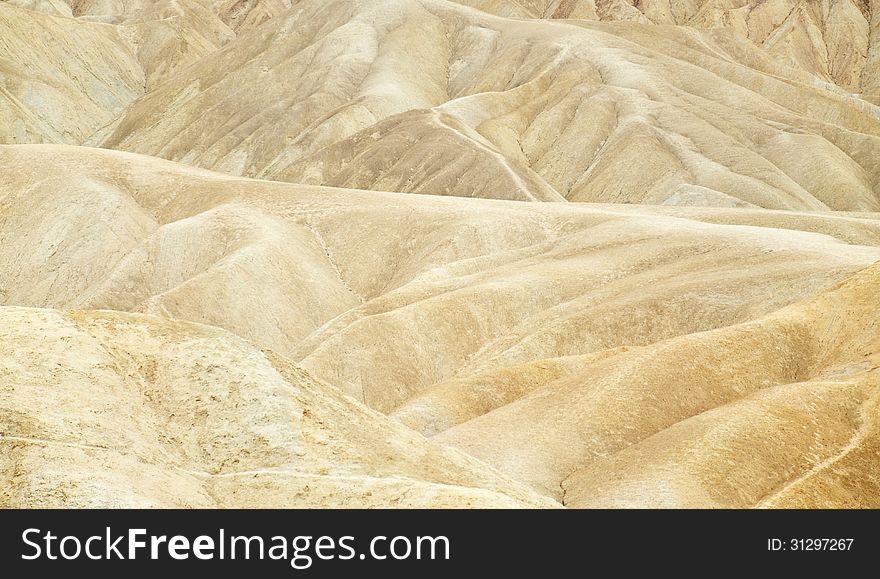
(237, 14)
(337, 93)
(61, 80)
(460, 310)
(340, 93)
(362, 286)
(701, 333)
(780, 411)
(149, 412)
(482, 322)
(834, 40)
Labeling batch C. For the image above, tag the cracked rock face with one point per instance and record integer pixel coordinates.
(418, 253)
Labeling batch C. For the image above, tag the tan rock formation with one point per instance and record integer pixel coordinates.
(152, 413)
(834, 40)
(429, 253)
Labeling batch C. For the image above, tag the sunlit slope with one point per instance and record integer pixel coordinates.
(61, 80)
(147, 412)
(242, 15)
(480, 322)
(835, 40)
(386, 295)
(641, 267)
(339, 93)
(69, 69)
(779, 411)
(237, 14)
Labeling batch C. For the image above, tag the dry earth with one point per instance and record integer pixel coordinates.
(425, 254)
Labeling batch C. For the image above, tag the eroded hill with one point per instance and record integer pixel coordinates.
(429, 253)
(433, 97)
(471, 321)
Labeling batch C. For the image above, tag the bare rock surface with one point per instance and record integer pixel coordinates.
(421, 253)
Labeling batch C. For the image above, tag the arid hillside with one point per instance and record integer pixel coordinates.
(835, 40)
(422, 253)
(337, 93)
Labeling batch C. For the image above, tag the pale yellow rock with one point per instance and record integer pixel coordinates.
(146, 412)
(245, 14)
(338, 93)
(335, 93)
(835, 40)
(490, 306)
(419, 253)
(779, 411)
(62, 80)
(384, 295)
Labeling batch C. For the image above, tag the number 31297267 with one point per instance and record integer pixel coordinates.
(809, 544)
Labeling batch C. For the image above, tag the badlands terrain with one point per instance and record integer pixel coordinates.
(420, 253)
